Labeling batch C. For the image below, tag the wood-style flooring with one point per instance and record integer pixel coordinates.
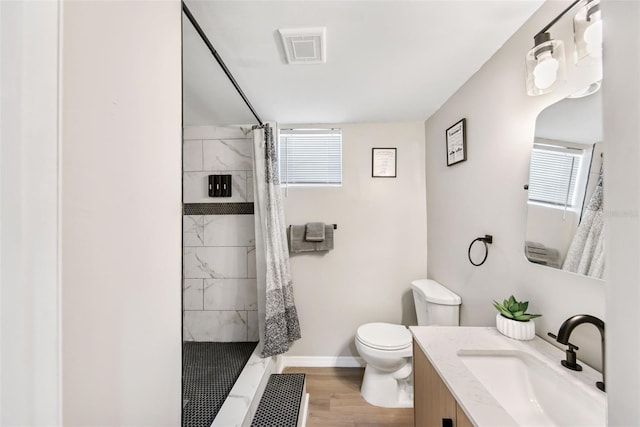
(335, 401)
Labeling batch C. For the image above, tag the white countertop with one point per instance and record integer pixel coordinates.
(441, 344)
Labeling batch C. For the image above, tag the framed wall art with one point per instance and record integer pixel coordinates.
(384, 162)
(457, 143)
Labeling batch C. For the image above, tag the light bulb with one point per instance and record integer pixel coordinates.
(545, 65)
(593, 39)
(546, 70)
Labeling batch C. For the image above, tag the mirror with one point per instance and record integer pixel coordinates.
(564, 206)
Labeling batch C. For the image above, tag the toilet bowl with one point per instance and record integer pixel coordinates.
(387, 348)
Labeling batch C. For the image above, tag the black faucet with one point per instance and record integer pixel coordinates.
(570, 324)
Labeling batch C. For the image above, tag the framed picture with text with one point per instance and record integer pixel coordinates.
(457, 143)
(384, 162)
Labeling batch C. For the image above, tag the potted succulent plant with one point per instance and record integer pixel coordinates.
(513, 321)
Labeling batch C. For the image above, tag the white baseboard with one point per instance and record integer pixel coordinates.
(321, 362)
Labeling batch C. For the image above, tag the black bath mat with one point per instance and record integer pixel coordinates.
(280, 403)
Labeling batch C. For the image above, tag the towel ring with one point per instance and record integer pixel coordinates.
(486, 239)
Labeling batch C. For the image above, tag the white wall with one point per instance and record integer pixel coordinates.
(622, 204)
(485, 195)
(379, 243)
(29, 257)
(121, 230)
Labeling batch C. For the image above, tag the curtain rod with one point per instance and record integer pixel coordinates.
(206, 41)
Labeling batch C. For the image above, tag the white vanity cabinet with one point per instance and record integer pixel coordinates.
(434, 405)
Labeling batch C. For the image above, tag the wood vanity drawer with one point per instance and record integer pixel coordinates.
(434, 405)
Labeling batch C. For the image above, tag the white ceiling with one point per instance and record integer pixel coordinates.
(386, 60)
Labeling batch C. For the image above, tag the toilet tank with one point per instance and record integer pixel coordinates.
(435, 304)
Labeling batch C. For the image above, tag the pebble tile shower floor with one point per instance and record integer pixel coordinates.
(209, 370)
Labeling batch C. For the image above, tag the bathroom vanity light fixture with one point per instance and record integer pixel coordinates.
(545, 65)
(546, 61)
(587, 33)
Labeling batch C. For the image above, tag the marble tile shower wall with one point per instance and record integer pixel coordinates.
(219, 270)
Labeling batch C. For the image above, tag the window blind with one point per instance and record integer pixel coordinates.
(311, 156)
(553, 175)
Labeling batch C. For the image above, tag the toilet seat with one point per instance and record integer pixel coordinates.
(384, 336)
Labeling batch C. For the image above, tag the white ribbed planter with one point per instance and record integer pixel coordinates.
(514, 329)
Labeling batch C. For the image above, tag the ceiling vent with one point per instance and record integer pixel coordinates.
(304, 45)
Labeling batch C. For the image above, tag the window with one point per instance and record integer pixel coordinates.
(311, 157)
(555, 177)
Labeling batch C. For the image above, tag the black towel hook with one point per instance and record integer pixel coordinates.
(487, 239)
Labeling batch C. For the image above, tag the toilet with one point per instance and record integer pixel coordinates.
(387, 348)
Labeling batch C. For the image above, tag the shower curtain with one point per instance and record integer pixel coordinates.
(586, 253)
(281, 325)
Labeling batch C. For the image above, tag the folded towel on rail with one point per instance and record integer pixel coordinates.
(297, 242)
(314, 232)
(540, 254)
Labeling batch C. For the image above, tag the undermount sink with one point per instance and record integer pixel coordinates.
(533, 393)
